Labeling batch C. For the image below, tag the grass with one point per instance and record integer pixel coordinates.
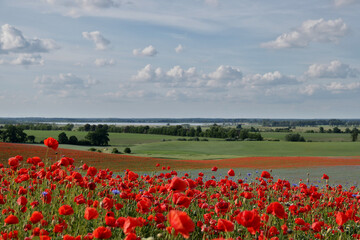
(148, 145)
(315, 137)
(116, 139)
(222, 149)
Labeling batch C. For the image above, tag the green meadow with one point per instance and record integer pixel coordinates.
(169, 147)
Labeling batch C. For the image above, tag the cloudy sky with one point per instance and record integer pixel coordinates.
(185, 58)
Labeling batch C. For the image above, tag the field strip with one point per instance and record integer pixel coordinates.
(119, 162)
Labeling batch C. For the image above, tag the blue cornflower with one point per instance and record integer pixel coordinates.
(44, 193)
(115, 191)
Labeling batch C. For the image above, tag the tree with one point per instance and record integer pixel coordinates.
(336, 130)
(87, 127)
(127, 150)
(354, 134)
(14, 134)
(115, 151)
(73, 140)
(31, 138)
(321, 130)
(294, 137)
(100, 137)
(63, 139)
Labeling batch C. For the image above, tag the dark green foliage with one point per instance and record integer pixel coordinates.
(127, 150)
(100, 137)
(354, 134)
(115, 151)
(294, 137)
(31, 138)
(84, 143)
(62, 138)
(73, 140)
(14, 134)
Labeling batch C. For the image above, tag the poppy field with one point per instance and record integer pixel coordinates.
(53, 198)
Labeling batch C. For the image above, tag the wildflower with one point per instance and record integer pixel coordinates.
(115, 191)
(231, 173)
(11, 219)
(51, 143)
(66, 210)
(276, 209)
(91, 213)
(102, 233)
(181, 222)
(177, 184)
(36, 217)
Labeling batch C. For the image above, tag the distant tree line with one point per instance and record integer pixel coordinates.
(214, 131)
(44, 126)
(309, 122)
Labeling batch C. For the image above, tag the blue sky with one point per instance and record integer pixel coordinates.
(166, 58)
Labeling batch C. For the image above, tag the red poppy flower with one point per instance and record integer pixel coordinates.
(144, 205)
(177, 184)
(102, 233)
(265, 174)
(130, 224)
(36, 217)
(181, 222)
(316, 226)
(214, 169)
(51, 143)
(276, 209)
(325, 176)
(225, 225)
(132, 176)
(11, 219)
(250, 220)
(13, 162)
(91, 213)
(231, 173)
(300, 221)
(107, 203)
(91, 171)
(66, 210)
(22, 201)
(341, 218)
(222, 207)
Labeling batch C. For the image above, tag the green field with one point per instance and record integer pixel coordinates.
(154, 146)
(315, 137)
(223, 149)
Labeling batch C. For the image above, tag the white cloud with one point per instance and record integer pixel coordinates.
(28, 59)
(149, 51)
(339, 3)
(309, 89)
(63, 85)
(13, 41)
(25, 60)
(147, 74)
(179, 49)
(310, 31)
(334, 69)
(85, 3)
(102, 62)
(270, 78)
(337, 87)
(226, 73)
(101, 43)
